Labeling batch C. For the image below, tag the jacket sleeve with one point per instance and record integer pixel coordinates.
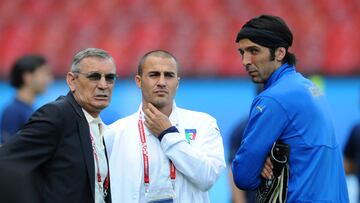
(201, 164)
(266, 123)
(35, 143)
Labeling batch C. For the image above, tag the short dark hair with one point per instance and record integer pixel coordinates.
(25, 64)
(156, 53)
(271, 32)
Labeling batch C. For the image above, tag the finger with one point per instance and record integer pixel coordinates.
(269, 163)
(146, 123)
(267, 167)
(265, 174)
(148, 113)
(152, 108)
(148, 120)
(269, 174)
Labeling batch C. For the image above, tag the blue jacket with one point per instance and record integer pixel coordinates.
(293, 110)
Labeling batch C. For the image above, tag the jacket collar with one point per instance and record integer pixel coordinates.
(84, 134)
(70, 97)
(278, 73)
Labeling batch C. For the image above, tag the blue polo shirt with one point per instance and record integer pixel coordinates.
(293, 110)
(15, 115)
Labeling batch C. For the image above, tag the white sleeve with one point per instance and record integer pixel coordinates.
(200, 164)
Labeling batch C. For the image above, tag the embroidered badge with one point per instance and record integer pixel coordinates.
(190, 134)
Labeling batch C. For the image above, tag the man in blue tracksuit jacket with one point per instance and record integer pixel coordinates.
(291, 109)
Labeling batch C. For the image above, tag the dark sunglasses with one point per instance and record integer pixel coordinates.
(96, 76)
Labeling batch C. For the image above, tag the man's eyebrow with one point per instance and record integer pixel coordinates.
(165, 72)
(154, 71)
(252, 47)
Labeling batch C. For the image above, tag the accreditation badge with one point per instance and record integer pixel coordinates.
(160, 194)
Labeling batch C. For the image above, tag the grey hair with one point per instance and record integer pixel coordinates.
(89, 52)
(157, 53)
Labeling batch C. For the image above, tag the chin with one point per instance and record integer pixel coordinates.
(159, 104)
(102, 105)
(257, 80)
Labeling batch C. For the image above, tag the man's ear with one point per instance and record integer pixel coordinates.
(280, 53)
(70, 80)
(138, 81)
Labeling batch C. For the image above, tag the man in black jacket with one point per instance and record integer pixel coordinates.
(59, 155)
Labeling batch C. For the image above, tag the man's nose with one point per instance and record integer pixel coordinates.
(246, 60)
(102, 84)
(161, 81)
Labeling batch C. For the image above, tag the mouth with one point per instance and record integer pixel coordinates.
(161, 92)
(102, 97)
(252, 73)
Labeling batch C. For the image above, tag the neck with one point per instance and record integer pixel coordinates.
(94, 114)
(25, 95)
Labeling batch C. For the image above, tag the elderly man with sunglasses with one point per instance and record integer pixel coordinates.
(59, 155)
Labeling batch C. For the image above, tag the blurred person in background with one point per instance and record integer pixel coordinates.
(240, 196)
(59, 154)
(352, 154)
(163, 153)
(30, 75)
(291, 112)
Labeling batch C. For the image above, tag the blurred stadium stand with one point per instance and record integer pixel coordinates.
(200, 33)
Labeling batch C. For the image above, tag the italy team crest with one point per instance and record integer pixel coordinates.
(190, 134)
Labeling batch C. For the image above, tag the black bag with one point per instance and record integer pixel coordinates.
(275, 190)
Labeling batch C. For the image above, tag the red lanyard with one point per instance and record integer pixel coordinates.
(106, 182)
(146, 157)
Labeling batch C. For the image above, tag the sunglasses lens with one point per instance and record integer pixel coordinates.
(94, 76)
(110, 77)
